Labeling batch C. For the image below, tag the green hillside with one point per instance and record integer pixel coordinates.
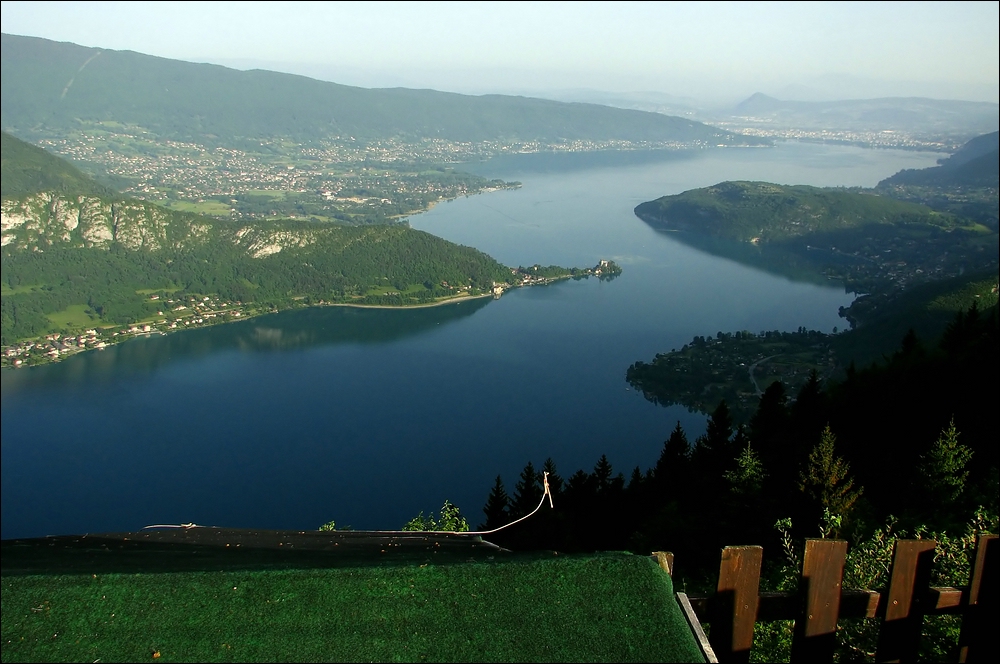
(976, 147)
(966, 183)
(978, 171)
(761, 212)
(55, 85)
(76, 256)
(182, 258)
(876, 245)
(927, 309)
(27, 169)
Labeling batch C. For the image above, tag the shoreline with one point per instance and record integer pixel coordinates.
(57, 350)
(423, 305)
(243, 317)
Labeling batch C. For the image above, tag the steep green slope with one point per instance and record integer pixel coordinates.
(56, 84)
(927, 309)
(976, 147)
(979, 171)
(762, 212)
(27, 169)
(966, 183)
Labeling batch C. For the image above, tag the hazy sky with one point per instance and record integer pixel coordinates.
(721, 51)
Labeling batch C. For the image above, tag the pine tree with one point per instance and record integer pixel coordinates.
(527, 492)
(720, 427)
(747, 478)
(497, 506)
(713, 451)
(602, 472)
(809, 410)
(636, 482)
(943, 468)
(674, 457)
(555, 481)
(826, 479)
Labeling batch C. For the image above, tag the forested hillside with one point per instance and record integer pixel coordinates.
(762, 212)
(910, 443)
(875, 244)
(28, 169)
(976, 164)
(966, 183)
(76, 257)
(57, 84)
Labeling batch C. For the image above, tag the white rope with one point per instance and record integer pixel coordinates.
(548, 492)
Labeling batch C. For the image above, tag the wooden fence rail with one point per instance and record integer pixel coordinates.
(820, 602)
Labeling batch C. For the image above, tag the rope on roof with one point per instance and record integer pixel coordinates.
(548, 492)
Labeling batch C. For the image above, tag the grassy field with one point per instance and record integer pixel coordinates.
(73, 317)
(607, 607)
(7, 290)
(211, 208)
(157, 291)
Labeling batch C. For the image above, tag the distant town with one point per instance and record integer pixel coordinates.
(342, 179)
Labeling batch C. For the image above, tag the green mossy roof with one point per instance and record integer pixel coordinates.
(606, 607)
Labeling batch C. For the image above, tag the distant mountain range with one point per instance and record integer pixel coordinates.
(911, 114)
(56, 85)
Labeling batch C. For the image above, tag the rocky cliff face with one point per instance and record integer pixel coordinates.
(45, 220)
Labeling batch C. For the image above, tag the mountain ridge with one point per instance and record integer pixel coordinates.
(57, 84)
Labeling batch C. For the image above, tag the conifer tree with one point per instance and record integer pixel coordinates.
(674, 458)
(747, 478)
(555, 481)
(825, 478)
(713, 452)
(527, 492)
(636, 482)
(603, 473)
(809, 412)
(496, 508)
(943, 468)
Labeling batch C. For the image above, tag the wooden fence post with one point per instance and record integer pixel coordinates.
(899, 634)
(734, 607)
(822, 576)
(665, 559)
(978, 641)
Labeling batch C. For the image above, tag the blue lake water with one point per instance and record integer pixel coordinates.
(369, 416)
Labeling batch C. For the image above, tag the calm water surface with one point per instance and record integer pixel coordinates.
(370, 416)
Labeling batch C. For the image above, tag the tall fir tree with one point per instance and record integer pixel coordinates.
(826, 478)
(675, 457)
(943, 472)
(555, 481)
(713, 451)
(527, 492)
(497, 506)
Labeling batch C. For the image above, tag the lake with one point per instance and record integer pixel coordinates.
(369, 416)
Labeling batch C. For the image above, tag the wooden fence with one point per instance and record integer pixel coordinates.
(820, 602)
